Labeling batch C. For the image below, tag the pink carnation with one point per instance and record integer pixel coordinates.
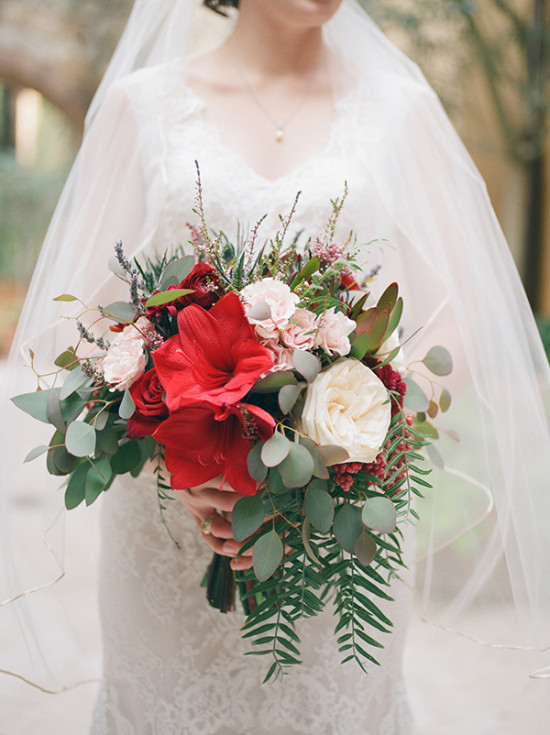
(124, 362)
(282, 357)
(334, 328)
(301, 332)
(279, 299)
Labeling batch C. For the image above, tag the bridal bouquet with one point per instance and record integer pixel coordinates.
(272, 368)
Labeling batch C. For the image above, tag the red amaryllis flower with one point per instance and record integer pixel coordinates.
(215, 357)
(147, 394)
(203, 441)
(204, 281)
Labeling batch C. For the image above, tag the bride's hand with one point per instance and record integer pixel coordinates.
(204, 502)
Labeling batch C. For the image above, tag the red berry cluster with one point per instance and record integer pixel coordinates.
(344, 473)
(393, 382)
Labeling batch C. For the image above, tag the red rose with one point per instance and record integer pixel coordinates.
(203, 441)
(147, 394)
(215, 357)
(204, 281)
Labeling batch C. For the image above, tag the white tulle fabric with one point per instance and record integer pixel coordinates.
(410, 182)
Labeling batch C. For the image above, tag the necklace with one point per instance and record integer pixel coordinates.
(279, 125)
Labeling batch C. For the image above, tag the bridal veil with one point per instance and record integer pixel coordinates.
(490, 507)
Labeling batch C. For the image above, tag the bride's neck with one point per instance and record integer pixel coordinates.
(276, 50)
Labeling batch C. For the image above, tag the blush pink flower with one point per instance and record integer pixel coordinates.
(334, 328)
(280, 300)
(124, 362)
(282, 357)
(301, 332)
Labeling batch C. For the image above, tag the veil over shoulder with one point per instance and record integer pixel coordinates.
(490, 506)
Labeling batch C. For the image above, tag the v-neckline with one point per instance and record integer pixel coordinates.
(216, 135)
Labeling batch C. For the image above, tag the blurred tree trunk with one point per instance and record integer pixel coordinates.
(60, 48)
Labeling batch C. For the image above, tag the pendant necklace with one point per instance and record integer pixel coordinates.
(279, 125)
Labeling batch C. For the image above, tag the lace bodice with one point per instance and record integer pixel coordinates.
(173, 666)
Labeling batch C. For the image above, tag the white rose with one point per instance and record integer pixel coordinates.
(124, 362)
(334, 328)
(280, 299)
(348, 405)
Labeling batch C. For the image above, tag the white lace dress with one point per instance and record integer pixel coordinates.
(172, 665)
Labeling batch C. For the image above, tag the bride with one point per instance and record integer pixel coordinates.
(303, 95)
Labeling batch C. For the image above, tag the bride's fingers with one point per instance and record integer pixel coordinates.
(208, 496)
(242, 563)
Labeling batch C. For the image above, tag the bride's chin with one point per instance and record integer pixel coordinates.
(300, 12)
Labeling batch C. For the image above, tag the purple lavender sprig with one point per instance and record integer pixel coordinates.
(136, 284)
(92, 339)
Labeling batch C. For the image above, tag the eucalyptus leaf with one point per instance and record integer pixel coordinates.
(297, 469)
(259, 311)
(267, 554)
(439, 361)
(166, 297)
(415, 398)
(107, 440)
(120, 311)
(74, 380)
(319, 508)
(51, 466)
(275, 482)
(306, 364)
(433, 409)
(36, 452)
(365, 548)
(379, 514)
(445, 400)
(177, 270)
(73, 406)
(305, 540)
(97, 479)
(64, 461)
(65, 297)
(274, 382)
(319, 468)
(331, 454)
(436, 457)
(256, 468)
(35, 404)
(127, 457)
(319, 484)
(53, 410)
(247, 516)
(67, 360)
(76, 488)
(347, 526)
(100, 420)
(427, 429)
(127, 406)
(275, 449)
(80, 439)
(288, 396)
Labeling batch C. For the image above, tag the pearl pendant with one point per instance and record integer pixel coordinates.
(279, 135)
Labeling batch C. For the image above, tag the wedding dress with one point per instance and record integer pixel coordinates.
(172, 665)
